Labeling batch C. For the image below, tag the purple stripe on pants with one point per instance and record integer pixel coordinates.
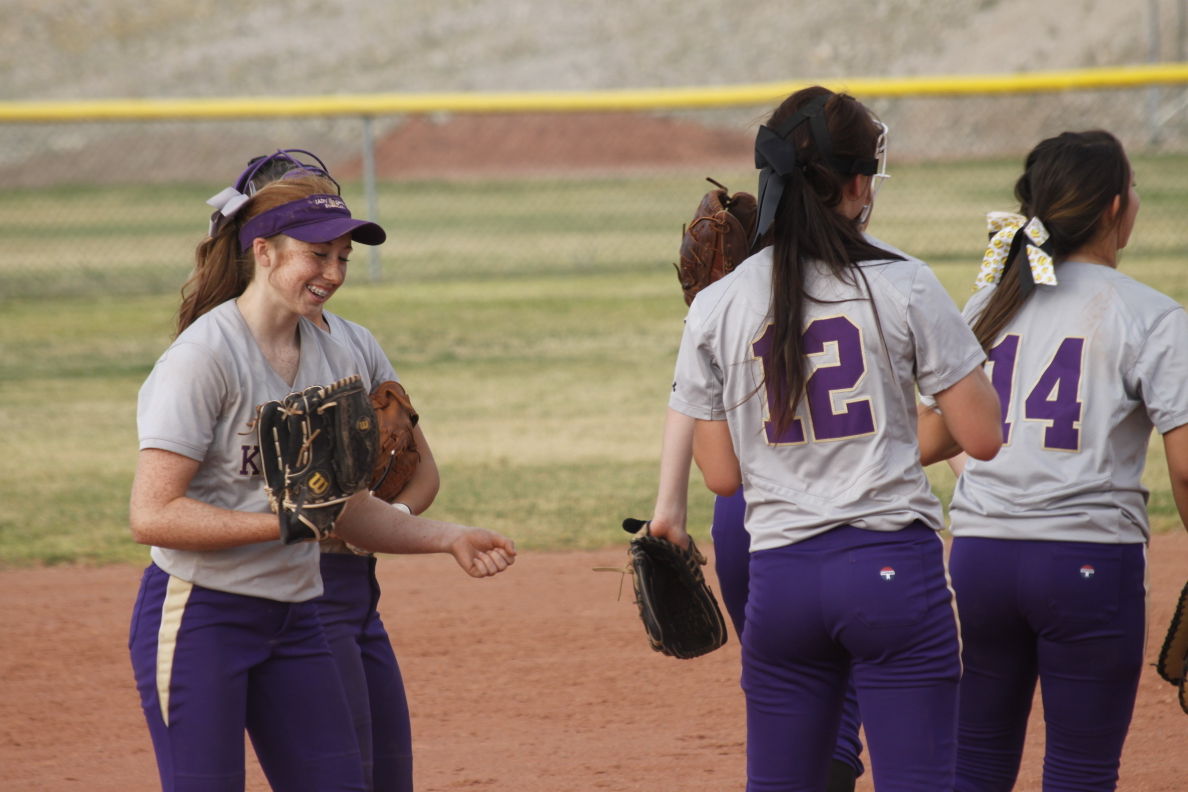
(732, 558)
(370, 673)
(850, 603)
(243, 663)
(1073, 615)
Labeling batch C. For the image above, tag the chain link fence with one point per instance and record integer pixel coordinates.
(116, 207)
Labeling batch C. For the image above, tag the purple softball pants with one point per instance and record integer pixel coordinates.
(1073, 616)
(210, 664)
(370, 674)
(732, 558)
(851, 606)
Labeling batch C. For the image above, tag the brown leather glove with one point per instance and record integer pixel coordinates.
(398, 456)
(717, 240)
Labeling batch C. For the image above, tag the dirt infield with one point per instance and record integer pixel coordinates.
(484, 146)
(538, 680)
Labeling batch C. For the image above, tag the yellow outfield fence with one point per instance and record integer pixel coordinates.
(644, 100)
(107, 195)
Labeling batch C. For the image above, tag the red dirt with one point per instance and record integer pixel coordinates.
(538, 680)
(518, 144)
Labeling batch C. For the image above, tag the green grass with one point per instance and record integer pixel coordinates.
(542, 398)
(535, 323)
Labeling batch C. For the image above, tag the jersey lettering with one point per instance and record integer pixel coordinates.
(250, 455)
(794, 434)
(1054, 398)
(839, 338)
(1002, 358)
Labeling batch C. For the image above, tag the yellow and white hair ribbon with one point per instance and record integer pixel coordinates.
(1003, 226)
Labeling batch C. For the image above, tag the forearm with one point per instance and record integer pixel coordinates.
(372, 524)
(936, 443)
(188, 524)
(972, 415)
(676, 457)
(160, 513)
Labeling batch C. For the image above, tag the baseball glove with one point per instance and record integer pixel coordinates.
(398, 455)
(718, 239)
(679, 611)
(1173, 657)
(317, 448)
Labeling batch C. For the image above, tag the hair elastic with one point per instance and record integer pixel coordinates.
(1006, 243)
(776, 157)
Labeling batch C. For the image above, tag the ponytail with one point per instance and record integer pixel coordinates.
(807, 228)
(1068, 182)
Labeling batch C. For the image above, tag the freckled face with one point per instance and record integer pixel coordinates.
(307, 274)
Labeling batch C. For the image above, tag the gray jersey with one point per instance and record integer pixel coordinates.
(374, 364)
(199, 401)
(851, 455)
(1084, 371)
(376, 368)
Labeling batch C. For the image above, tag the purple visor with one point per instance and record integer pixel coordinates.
(315, 219)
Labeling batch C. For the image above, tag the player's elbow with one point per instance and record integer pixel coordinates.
(722, 482)
(980, 438)
(984, 447)
(721, 475)
(973, 416)
(142, 526)
(713, 451)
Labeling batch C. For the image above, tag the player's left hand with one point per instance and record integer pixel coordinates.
(672, 530)
(482, 553)
(679, 611)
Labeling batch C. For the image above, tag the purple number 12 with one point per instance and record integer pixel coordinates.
(1053, 398)
(857, 418)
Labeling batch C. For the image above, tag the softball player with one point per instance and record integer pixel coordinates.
(225, 635)
(349, 607)
(796, 376)
(1049, 550)
(731, 564)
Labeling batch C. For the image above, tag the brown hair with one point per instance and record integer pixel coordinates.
(221, 271)
(808, 228)
(1068, 182)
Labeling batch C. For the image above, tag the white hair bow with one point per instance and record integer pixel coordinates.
(226, 204)
(1004, 227)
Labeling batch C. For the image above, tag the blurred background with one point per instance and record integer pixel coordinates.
(526, 294)
(96, 205)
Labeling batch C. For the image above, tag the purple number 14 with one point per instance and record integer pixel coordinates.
(1054, 398)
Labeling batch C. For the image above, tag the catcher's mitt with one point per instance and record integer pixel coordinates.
(398, 455)
(679, 612)
(317, 448)
(717, 240)
(1173, 657)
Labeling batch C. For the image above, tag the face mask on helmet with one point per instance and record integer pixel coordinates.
(879, 176)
